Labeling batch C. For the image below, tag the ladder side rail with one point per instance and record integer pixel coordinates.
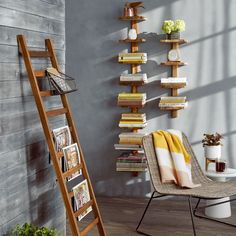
(75, 137)
(43, 117)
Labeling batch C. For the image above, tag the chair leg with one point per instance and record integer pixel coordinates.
(191, 213)
(138, 231)
(208, 218)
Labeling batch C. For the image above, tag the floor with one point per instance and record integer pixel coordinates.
(164, 218)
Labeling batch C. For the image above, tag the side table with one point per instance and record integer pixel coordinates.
(223, 210)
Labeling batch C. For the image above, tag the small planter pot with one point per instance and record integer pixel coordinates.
(173, 35)
(212, 152)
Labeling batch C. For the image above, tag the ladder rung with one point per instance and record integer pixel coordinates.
(72, 170)
(39, 73)
(46, 93)
(57, 112)
(89, 227)
(71, 194)
(39, 54)
(60, 154)
(84, 208)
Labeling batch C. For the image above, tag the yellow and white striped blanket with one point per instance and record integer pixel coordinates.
(174, 161)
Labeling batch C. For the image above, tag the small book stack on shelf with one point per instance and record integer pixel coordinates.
(130, 141)
(133, 57)
(133, 78)
(132, 99)
(169, 103)
(131, 162)
(173, 82)
(133, 120)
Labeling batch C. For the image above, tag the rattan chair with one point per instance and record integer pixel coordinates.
(208, 190)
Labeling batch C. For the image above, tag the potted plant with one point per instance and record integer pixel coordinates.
(212, 146)
(173, 28)
(31, 230)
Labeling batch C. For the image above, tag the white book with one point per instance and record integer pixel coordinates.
(133, 77)
(174, 80)
(173, 104)
(172, 98)
(128, 147)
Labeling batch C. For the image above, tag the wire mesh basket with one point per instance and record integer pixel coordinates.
(60, 82)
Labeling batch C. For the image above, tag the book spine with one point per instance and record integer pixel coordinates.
(172, 98)
(173, 105)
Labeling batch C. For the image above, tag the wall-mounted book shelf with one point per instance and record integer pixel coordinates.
(173, 85)
(132, 159)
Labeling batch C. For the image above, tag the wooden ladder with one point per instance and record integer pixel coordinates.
(44, 115)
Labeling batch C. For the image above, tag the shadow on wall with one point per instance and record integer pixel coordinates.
(95, 61)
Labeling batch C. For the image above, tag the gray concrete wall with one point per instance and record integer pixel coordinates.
(92, 34)
(28, 189)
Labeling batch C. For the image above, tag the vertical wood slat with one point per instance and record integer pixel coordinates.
(45, 123)
(75, 137)
(174, 73)
(134, 67)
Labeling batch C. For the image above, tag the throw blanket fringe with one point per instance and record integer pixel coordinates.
(174, 161)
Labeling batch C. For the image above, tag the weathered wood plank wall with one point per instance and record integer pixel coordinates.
(28, 192)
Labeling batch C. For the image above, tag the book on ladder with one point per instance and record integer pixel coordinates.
(62, 176)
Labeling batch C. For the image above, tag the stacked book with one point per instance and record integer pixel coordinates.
(136, 147)
(131, 138)
(132, 99)
(133, 120)
(131, 162)
(173, 102)
(133, 57)
(134, 78)
(174, 80)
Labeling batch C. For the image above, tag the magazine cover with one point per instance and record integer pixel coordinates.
(62, 137)
(72, 158)
(82, 196)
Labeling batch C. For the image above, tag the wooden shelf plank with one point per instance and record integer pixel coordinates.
(138, 40)
(173, 85)
(174, 63)
(133, 18)
(180, 41)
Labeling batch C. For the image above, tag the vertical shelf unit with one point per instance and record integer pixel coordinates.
(174, 43)
(134, 69)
